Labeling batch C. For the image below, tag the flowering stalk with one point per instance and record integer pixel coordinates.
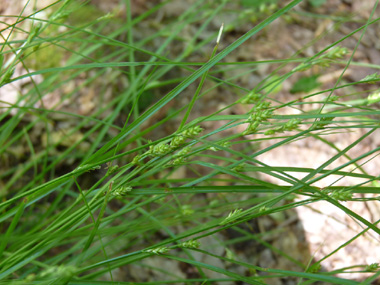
(232, 216)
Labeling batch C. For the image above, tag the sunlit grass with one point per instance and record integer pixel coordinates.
(97, 195)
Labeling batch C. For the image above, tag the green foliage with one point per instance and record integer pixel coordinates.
(79, 14)
(46, 56)
(108, 179)
(274, 85)
(256, 3)
(305, 84)
(373, 98)
(317, 3)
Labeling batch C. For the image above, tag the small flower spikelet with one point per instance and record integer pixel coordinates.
(263, 209)
(251, 98)
(232, 216)
(160, 149)
(59, 271)
(316, 267)
(192, 132)
(157, 250)
(290, 125)
(230, 254)
(187, 210)
(80, 168)
(373, 98)
(333, 54)
(372, 267)
(136, 159)
(190, 244)
(112, 169)
(341, 195)
(323, 122)
(333, 98)
(252, 128)
(224, 144)
(372, 78)
(261, 114)
(336, 53)
(122, 191)
(239, 168)
(324, 60)
(177, 141)
(180, 156)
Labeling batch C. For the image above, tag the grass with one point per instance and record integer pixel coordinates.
(88, 198)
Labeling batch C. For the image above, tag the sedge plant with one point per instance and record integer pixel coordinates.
(95, 191)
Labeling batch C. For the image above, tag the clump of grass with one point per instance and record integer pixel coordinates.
(98, 197)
